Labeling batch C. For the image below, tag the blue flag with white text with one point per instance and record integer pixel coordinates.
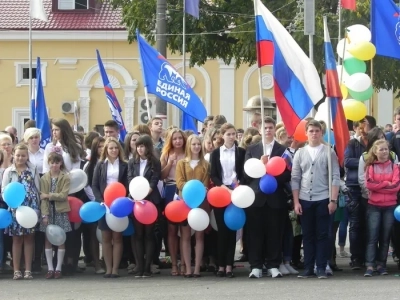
(42, 119)
(112, 99)
(162, 80)
(188, 123)
(385, 27)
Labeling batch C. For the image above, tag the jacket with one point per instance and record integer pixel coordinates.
(184, 173)
(152, 172)
(59, 197)
(352, 155)
(383, 183)
(395, 143)
(278, 199)
(99, 182)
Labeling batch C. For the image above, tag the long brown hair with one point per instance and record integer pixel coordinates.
(108, 141)
(168, 142)
(371, 156)
(188, 152)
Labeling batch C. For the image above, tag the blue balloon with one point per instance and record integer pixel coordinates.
(121, 207)
(268, 184)
(130, 230)
(234, 217)
(5, 218)
(332, 137)
(14, 194)
(92, 211)
(397, 213)
(193, 193)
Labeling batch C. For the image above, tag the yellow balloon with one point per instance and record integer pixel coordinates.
(354, 110)
(344, 90)
(363, 50)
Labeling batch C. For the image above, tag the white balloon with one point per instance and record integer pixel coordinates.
(213, 222)
(117, 224)
(343, 76)
(207, 157)
(243, 196)
(358, 82)
(198, 219)
(139, 188)
(358, 33)
(78, 180)
(254, 168)
(322, 113)
(99, 236)
(340, 46)
(26, 217)
(55, 235)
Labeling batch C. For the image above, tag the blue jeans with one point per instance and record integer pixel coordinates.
(379, 225)
(343, 228)
(315, 223)
(1, 246)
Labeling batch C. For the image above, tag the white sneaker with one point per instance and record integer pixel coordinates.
(256, 273)
(291, 269)
(283, 270)
(274, 273)
(328, 270)
(344, 254)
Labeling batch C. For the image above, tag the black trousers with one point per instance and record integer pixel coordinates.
(39, 246)
(265, 229)
(226, 242)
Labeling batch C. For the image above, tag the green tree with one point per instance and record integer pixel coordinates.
(225, 30)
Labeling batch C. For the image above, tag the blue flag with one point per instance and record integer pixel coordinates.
(385, 27)
(42, 119)
(188, 123)
(32, 109)
(112, 99)
(192, 8)
(162, 80)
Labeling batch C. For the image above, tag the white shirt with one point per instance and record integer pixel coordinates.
(227, 159)
(112, 171)
(268, 148)
(313, 151)
(193, 163)
(143, 164)
(37, 159)
(88, 189)
(69, 165)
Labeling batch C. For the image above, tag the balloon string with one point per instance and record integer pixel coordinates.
(346, 38)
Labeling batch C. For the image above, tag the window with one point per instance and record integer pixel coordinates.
(22, 73)
(73, 4)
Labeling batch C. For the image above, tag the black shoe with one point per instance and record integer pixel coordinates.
(299, 265)
(355, 265)
(147, 275)
(220, 274)
(229, 275)
(306, 274)
(242, 258)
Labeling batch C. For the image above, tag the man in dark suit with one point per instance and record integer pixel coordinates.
(266, 217)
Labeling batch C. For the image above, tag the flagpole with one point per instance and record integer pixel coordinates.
(146, 95)
(340, 29)
(30, 57)
(184, 52)
(371, 105)
(260, 90)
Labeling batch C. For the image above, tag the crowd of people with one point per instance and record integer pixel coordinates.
(302, 212)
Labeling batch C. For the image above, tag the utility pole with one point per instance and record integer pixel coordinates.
(161, 43)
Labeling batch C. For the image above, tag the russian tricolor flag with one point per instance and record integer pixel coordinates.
(297, 85)
(339, 123)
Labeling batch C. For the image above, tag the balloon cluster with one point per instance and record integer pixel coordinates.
(117, 207)
(356, 86)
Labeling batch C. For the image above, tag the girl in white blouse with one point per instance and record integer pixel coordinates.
(32, 138)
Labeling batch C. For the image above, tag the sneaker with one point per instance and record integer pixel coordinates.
(355, 265)
(321, 274)
(283, 270)
(382, 271)
(291, 270)
(328, 270)
(369, 273)
(147, 275)
(274, 273)
(256, 273)
(306, 274)
(344, 254)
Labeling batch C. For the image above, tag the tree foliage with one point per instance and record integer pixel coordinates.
(225, 30)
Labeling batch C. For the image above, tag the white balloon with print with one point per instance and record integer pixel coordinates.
(55, 235)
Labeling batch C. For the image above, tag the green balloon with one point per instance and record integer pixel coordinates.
(353, 65)
(362, 96)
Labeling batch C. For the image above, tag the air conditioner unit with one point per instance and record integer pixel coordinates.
(67, 107)
(142, 110)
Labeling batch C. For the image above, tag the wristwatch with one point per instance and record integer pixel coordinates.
(334, 201)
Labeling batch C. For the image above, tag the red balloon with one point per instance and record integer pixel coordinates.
(75, 205)
(219, 197)
(114, 191)
(177, 211)
(300, 132)
(145, 212)
(276, 165)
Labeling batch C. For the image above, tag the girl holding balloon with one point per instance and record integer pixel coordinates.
(193, 166)
(147, 165)
(24, 172)
(111, 168)
(227, 170)
(173, 151)
(54, 187)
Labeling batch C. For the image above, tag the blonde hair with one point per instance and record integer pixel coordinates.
(188, 152)
(104, 153)
(7, 137)
(168, 141)
(371, 156)
(31, 132)
(22, 147)
(248, 136)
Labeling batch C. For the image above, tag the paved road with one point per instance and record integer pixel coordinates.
(343, 285)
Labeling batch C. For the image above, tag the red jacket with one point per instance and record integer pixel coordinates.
(383, 183)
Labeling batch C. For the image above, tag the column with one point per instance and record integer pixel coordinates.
(84, 106)
(129, 104)
(227, 90)
(385, 107)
